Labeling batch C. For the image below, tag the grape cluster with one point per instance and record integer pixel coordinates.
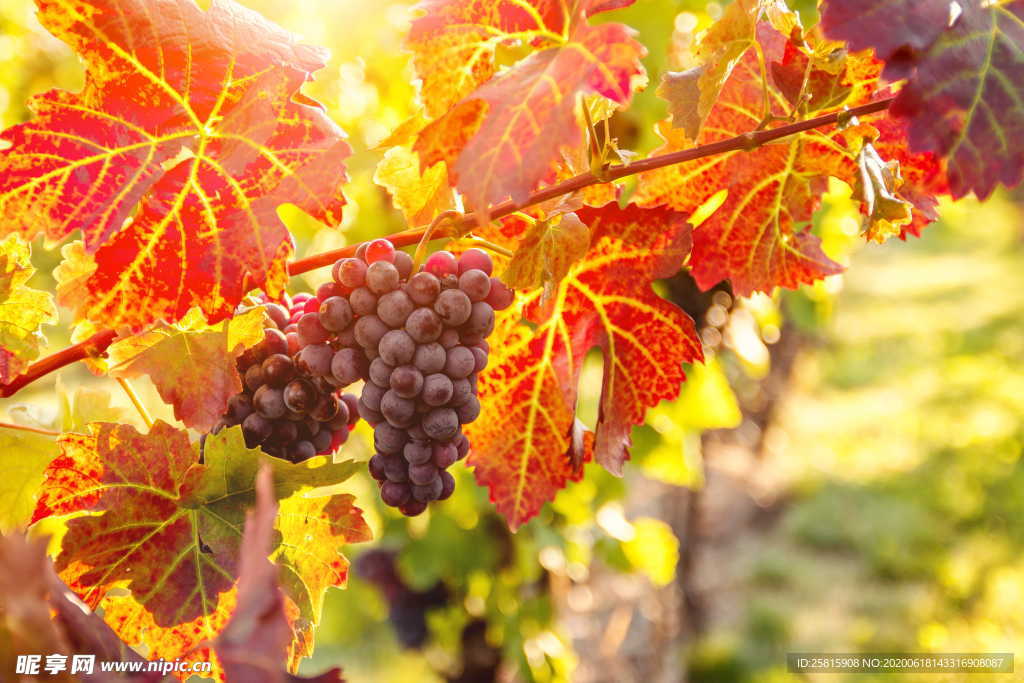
(419, 340)
(291, 405)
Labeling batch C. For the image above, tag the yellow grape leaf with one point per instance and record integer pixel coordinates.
(23, 310)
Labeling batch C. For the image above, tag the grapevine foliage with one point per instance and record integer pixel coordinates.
(190, 132)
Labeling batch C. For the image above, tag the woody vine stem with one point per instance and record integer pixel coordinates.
(98, 343)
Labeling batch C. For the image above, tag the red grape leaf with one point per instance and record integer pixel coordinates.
(530, 386)
(191, 363)
(168, 528)
(453, 42)
(898, 30)
(759, 237)
(962, 99)
(191, 123)
(531, 110)
(23, 310)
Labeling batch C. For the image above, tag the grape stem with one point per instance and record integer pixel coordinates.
(96, 344)
(136, 401)
(26, 428)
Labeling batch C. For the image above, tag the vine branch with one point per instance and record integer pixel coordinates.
(747, 141)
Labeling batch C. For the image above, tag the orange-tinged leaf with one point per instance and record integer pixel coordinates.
(759, 237)
(547, 251)
(755, 238)
(420, 193)
(168, 528)
(523, 453)
(191, 124)
(192, 364)
(454, 41)
(531, 111)
(23, 309)
(693, 92)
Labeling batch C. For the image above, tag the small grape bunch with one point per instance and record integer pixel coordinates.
(419, 340)
(291, 405)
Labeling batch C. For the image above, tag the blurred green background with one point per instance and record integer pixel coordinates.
(844, 475)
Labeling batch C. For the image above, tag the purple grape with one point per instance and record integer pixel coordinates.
(447, 485)
(311, 330)
(475, 283)
(396, 468)
(278, 313)
(322, 441)
(403, 263)
(300, 395)
(453, 306)
(397, 410)
(300, 451)
(462, 390)
(336, 313)
(428, 492)
(325, 409)
(429, 358)
(437, 389)
(475, 259)
(424, 325)
(423, 473)
(274, 341)
(468, 411)
(441, 424)
(363, 301)
(459, 362)
(376, 467)
(388, 439)
(269, 402)
(369, 414)
(462, 445)
(394, 308)
(449, 338)
(253, 377)
(480, 356)
(412, 508)
(397, 347)
(380, 372)
(406, 381)
(285, 432)
(239, 407)
(350, 272)
(417, 452)
(423, 288)
(394, 493)
(372, 395)
(480, 322)
(381, 277)
(256, 429)
(444, 454)
(348, 366)
(370, 329)
(315, 359)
